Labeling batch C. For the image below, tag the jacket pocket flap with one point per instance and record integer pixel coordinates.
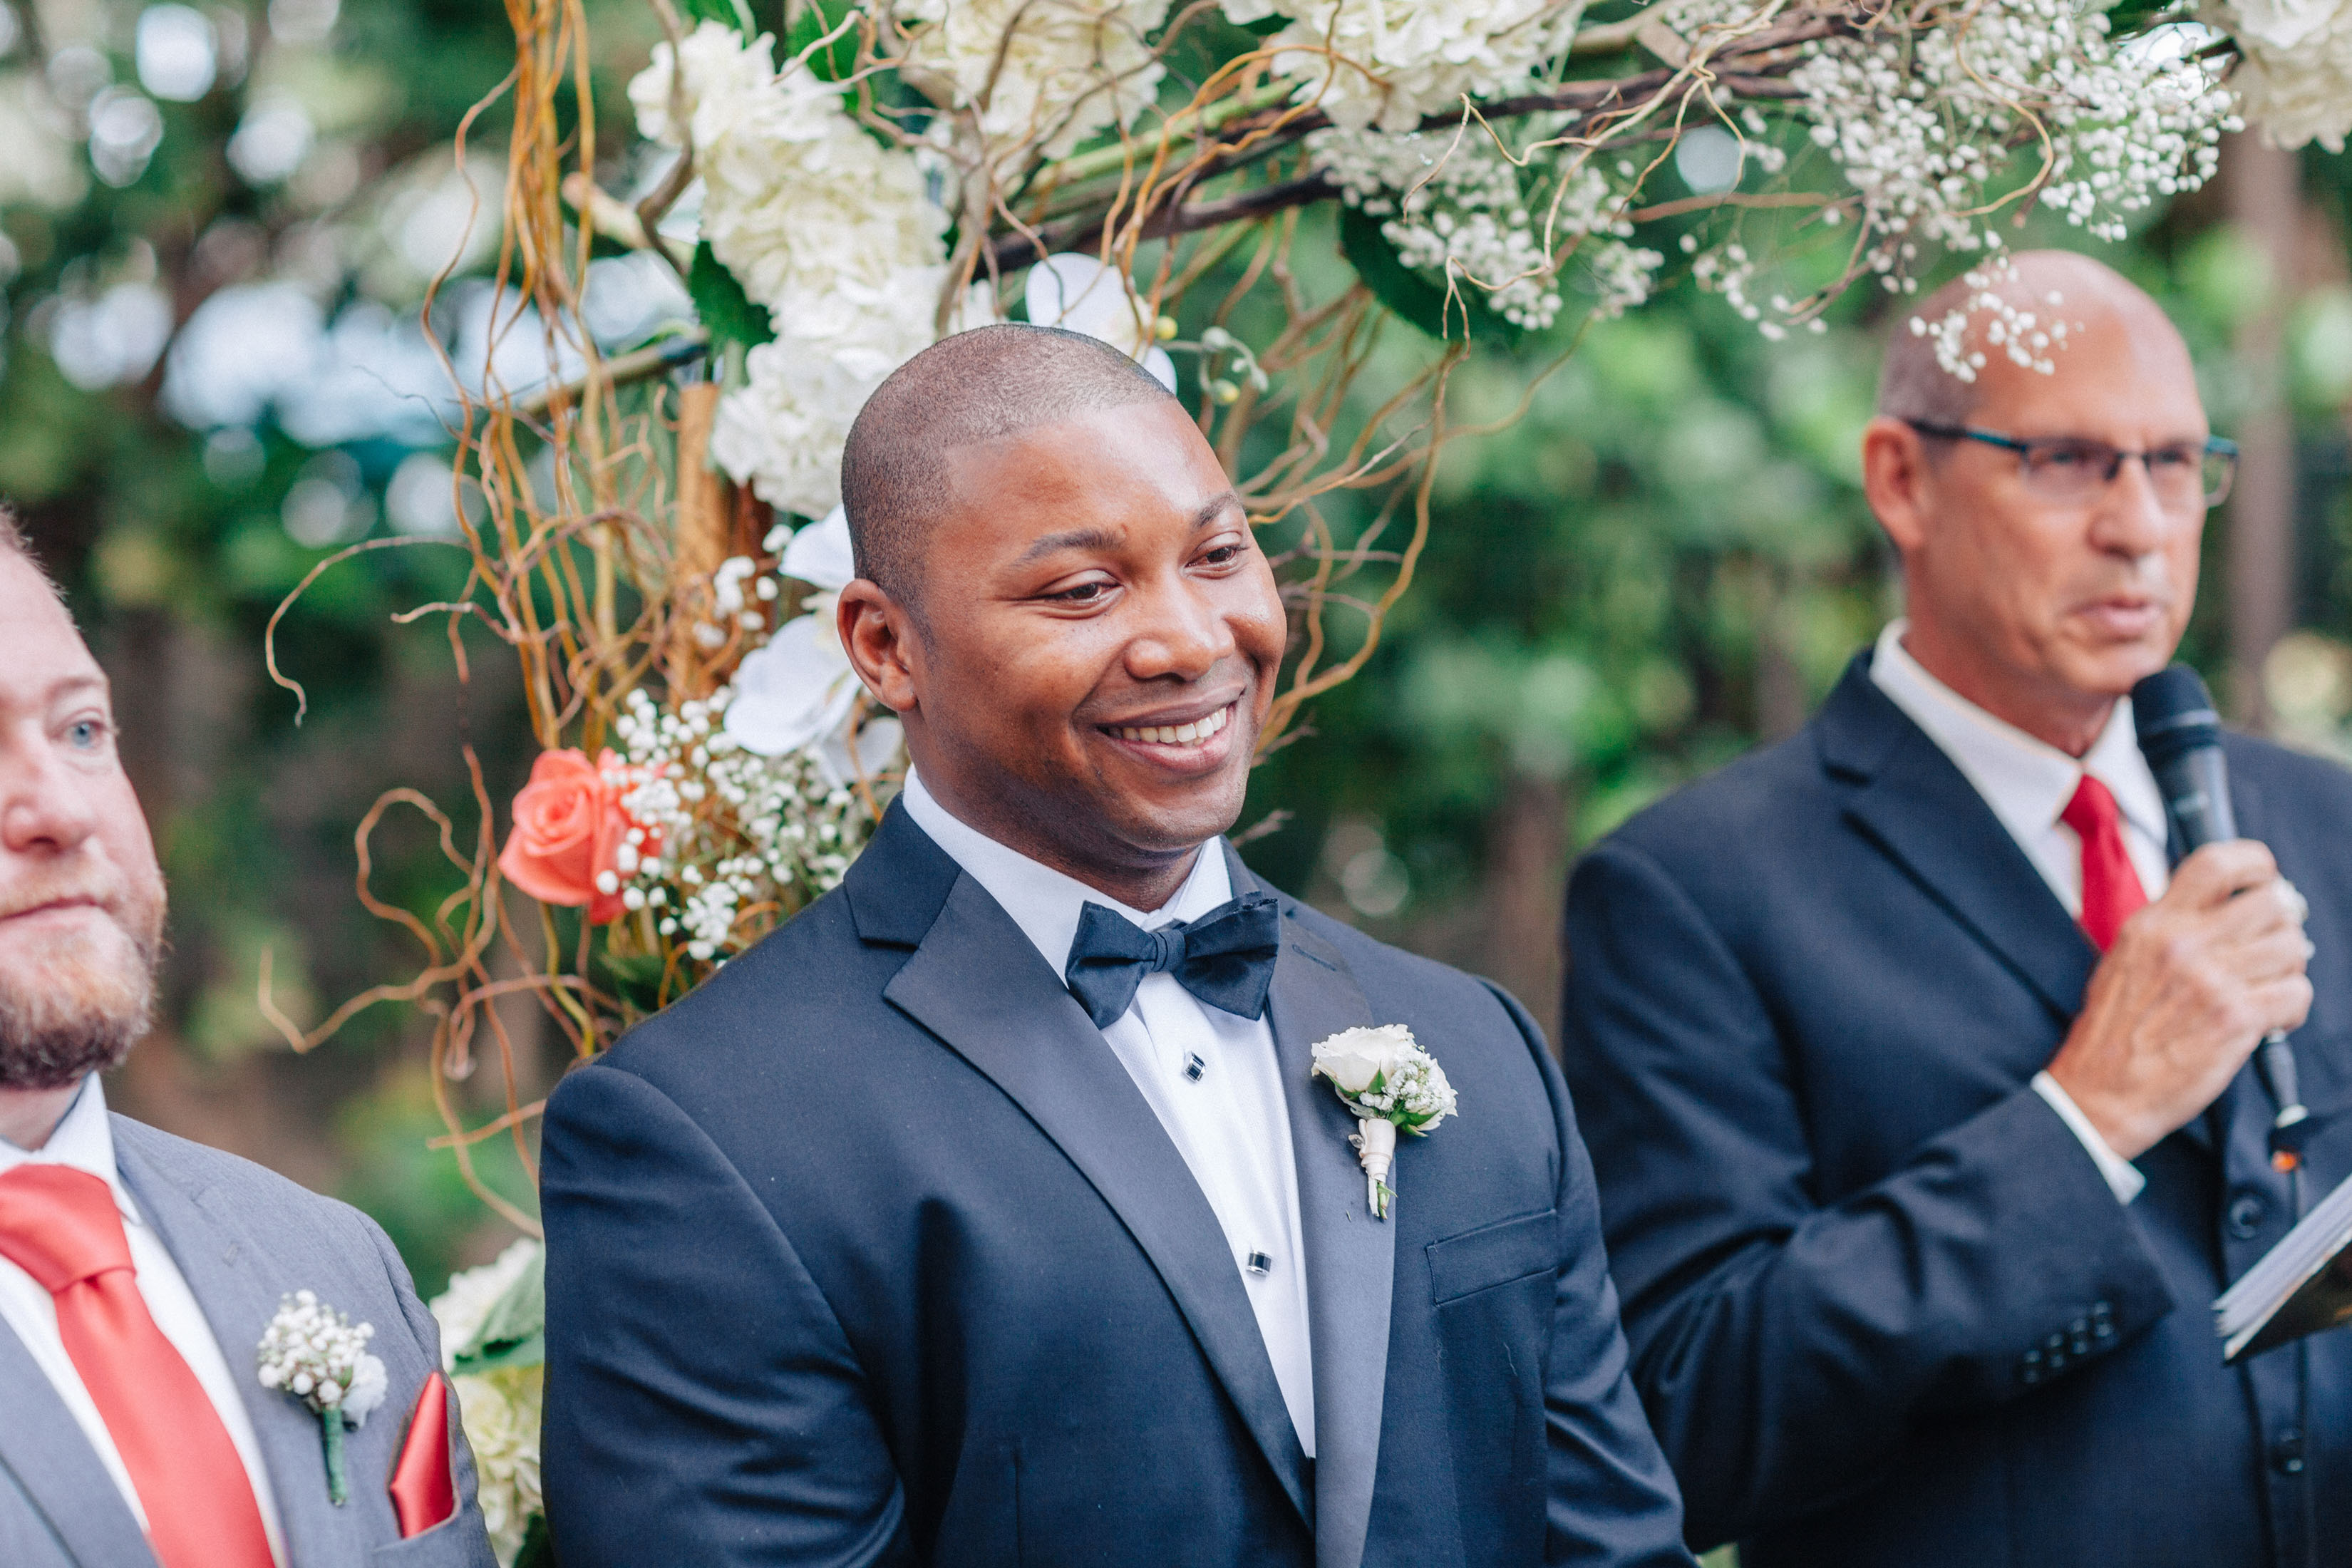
(1493, 1254)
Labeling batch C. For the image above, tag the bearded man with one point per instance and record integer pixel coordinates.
(140, 1272)
(987, 1214)
(1917, 1076)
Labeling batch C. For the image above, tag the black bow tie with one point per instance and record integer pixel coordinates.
(1226, 958)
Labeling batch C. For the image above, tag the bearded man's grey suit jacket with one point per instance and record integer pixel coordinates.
(870, 1251)
(245, 1238)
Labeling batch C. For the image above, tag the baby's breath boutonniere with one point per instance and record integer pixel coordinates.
(319, 1356)
(1390, 1085)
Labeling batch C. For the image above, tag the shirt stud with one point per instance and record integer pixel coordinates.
(1258, 1263)
(1194, 1066)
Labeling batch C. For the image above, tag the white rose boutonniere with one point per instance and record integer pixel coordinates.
(1390, 1085)
(319, 1356)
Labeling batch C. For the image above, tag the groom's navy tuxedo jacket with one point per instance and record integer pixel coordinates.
(1884, 1310)
(869, 1251)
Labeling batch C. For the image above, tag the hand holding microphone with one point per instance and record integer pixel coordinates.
(2201, 976)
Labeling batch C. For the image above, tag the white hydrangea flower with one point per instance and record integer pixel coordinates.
(465, 1305)
(500, 1410)
(1045, 73)
(1392, 62)
(2295, 75)
(721, 75)
(797, 197)
(783, 432)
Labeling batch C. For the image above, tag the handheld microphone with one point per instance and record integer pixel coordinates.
(2180, 735)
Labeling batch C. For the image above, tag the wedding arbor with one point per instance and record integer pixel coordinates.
(1297, 214)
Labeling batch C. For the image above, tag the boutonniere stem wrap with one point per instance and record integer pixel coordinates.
(1390, 1085)
(319, 1356)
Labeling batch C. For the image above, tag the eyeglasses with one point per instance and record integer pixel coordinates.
(2067, 471)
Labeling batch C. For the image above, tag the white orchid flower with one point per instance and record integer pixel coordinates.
(820, 555)
(796, 689)
(1081, 294)
(876, 748)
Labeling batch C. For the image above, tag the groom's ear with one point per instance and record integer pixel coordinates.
(883, 643)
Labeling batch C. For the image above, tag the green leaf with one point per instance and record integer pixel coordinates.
(733, 316)
(837, 61)
(635, 978)
(726, 13)
(1412, 297)
(514, 1330)
(538, 1549)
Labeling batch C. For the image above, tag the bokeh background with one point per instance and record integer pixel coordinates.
(219, 364)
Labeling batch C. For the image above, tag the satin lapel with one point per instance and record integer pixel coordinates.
(978, 984)
(1926, 815)
(1350, 1256)
(232, 1281)
(43, 1446)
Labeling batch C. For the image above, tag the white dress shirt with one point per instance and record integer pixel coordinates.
(1229, 1122)
(84, 1140)
(2027, 782)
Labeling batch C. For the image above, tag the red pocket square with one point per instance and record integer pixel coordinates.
(423, 1492)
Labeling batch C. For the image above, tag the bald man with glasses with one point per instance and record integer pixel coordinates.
(1914, 1069)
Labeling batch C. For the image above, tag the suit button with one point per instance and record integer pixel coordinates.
(2248, 1211)
(2103, 1321)
(2286, 1451)
(2029, 1368)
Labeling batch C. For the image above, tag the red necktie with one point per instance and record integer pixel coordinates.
(60, 1225)
(2111, 889)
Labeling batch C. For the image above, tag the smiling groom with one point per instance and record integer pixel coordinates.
(988, 1213)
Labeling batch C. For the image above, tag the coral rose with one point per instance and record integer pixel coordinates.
(568, 831)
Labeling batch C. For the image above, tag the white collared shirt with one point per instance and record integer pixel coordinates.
(2027, 782)
(84, 1140)
(1230, 1123)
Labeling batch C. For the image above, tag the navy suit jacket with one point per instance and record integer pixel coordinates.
(1883, 1307)
(869, 1251)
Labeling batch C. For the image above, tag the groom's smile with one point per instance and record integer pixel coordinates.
(1095, 639)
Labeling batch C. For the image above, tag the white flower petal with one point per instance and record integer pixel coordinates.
(797, 689)
(877, 748)
(1083, 295)
(820, 555)
(366, 1393)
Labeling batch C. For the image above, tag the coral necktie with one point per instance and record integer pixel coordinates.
(2111, 888)
(60, 1225)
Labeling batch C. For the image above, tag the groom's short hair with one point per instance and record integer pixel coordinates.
(976, 387)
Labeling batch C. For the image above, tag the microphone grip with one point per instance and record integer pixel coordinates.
(2197, 793)
(2196, 785)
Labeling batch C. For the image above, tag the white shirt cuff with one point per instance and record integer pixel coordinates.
(2123, 1178)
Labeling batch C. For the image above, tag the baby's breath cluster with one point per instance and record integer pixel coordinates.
(1922, 121)
(743, 838)
(1459, 207)
(1414, 1094)
(321, 1357)
(2029, 333)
